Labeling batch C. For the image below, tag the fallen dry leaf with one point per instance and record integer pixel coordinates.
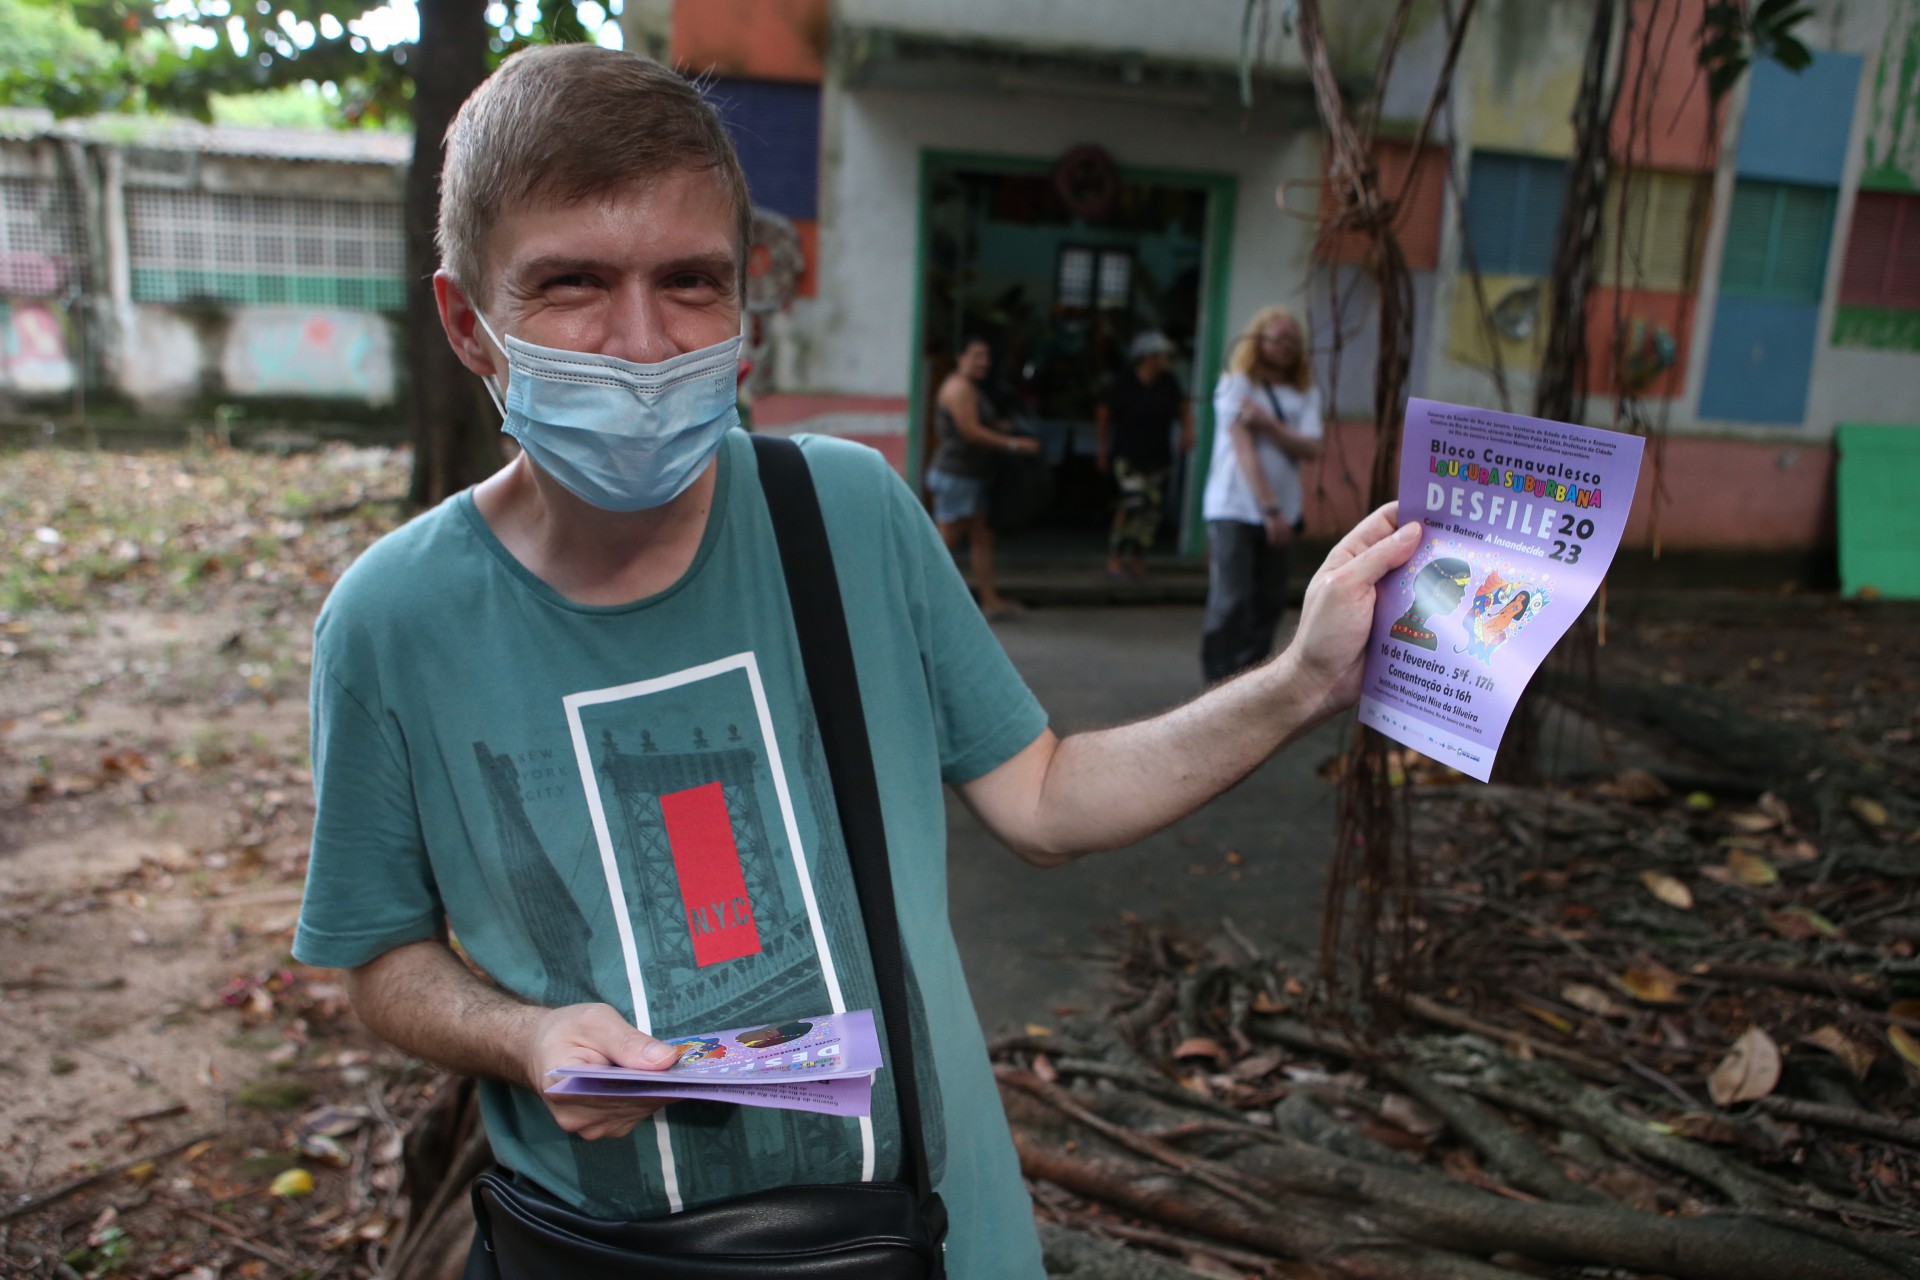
(1591, 999)
(1751, 869)
(1196, 1084)
(1652, 984)
(1750, 1070)
(1776, 808)
(293, 1182)
(1410, 1115)
(1905, 1043)
(1668, 889)
(1708, 1128)
(1798, 851)
(1548, 1016)
(1260, 1064)
(1853, 1055)
(1868, 810)
(1797, 924)
(1637, 786)
(1752, 824)
(1200, 1047)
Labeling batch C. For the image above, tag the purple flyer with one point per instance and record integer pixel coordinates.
(823, 1063)
(1522, 518)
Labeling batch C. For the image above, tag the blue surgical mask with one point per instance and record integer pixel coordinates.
(620, 436)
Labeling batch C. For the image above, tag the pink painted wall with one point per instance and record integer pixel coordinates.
(1675, 125)
(1713, 495)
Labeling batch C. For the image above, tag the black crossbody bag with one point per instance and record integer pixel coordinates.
(838, 1231)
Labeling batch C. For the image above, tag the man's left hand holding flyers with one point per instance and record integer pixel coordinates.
(1336, 616)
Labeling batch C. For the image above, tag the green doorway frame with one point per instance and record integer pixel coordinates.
(1221, 189)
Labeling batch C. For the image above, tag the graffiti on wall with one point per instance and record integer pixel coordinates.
(33, 349)
(34, 275)
(308, 352)
(1893, 105)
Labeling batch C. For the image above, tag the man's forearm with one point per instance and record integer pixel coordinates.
(1058, 798)
(422, 999)
(1110, 787)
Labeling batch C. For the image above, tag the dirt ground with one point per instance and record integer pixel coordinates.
(156, 1037)
(155, 629)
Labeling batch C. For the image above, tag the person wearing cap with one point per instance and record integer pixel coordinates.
(1136, 422)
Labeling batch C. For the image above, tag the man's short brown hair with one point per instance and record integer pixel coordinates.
(565, 123)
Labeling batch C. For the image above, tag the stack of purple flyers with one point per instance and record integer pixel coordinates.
(822, 1064)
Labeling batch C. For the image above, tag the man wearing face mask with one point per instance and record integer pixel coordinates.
(563, 716)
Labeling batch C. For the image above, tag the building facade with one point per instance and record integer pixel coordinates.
(152, 269)
(1058, 177)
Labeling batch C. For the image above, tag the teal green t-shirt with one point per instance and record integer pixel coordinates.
(629, 804)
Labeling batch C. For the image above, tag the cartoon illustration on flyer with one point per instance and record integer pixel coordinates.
(1437, 591)
(1501, 609)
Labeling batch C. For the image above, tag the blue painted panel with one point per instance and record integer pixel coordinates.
(776, 130)
(1759, 360)
(1513, 212)
(1493, 203)
(1797, 124)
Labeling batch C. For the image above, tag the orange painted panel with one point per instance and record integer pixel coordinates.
(809, 232)
(1419, 222)
(1672, 125)
(762, 39)
(1671, 311)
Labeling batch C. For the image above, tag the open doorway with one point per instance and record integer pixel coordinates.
(1059, 266)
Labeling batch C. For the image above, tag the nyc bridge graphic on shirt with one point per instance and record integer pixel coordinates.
(717, 919)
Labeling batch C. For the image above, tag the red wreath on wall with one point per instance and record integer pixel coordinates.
(1087, 182)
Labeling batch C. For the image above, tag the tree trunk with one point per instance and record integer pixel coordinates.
(455, 437)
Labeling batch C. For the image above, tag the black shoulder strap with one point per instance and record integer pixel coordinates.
(826, 652)
(1274, 400)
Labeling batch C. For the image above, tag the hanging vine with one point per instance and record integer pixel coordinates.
(1370, 890)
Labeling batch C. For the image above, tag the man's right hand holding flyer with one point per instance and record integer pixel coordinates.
(1522, 518)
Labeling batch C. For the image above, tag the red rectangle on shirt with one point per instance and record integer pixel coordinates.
(713, 889)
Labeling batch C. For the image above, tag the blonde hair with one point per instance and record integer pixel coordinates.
(1245, 357)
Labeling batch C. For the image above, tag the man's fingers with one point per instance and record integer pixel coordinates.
(1386, 555)
(601, 1028)
(596, 1034)
(614, 1118)
(639, 1050)
(1369, 532)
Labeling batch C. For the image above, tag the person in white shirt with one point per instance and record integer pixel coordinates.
(1266, 422)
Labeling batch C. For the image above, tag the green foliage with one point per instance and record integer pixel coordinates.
(49, 58)
(109, 1255)
(81, 57)
(1733, 36)
(294, 106)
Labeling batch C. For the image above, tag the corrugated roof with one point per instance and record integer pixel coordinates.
(335, 146)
